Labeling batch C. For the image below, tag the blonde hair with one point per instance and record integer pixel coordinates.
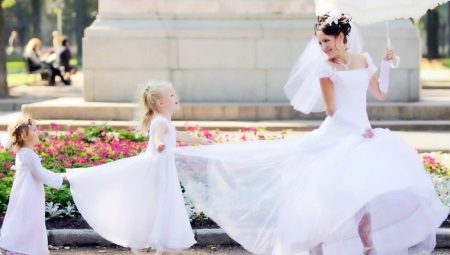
(31, 45)
(152, 91)
(16, 130)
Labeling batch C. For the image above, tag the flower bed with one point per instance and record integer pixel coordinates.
(93, 146)
(99, 145)
(438, 166)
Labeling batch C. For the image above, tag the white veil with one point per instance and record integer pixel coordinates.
(303, 87)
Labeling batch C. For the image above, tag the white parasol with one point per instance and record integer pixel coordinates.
(366, 12)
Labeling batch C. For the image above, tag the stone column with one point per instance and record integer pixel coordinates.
(217, 50)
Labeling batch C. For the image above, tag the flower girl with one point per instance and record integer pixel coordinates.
(137, 202)
(23, 229)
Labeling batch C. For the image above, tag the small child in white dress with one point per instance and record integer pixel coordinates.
(23, 229)
(137, 202)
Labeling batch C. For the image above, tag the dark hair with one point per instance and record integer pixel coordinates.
(20, 127)
(329, 27)
(64, 41)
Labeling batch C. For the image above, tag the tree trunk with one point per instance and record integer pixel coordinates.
(80, 22)
(432, 28)
(4, 92)
(448, 29)
(36, 6)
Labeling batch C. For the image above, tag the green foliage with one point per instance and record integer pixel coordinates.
(101, 132)
(61, 196)
(5, 190)
(81, 148)
(7, 3)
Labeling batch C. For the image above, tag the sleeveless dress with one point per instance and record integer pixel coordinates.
(286, 197)
(136, 202)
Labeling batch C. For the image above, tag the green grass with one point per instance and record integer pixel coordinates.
(15, 67)
(446, 62)
(17, 79)
(15, 64)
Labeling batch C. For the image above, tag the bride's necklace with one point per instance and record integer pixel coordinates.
(346, 66)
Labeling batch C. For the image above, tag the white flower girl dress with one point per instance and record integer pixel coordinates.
(136, 202)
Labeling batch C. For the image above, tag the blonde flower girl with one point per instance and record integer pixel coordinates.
(137, 202)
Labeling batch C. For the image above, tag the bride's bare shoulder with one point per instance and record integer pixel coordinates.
(359, 60)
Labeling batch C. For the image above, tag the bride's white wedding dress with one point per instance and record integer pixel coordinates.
(284, 197)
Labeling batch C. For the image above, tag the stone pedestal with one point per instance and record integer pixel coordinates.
(218, 50)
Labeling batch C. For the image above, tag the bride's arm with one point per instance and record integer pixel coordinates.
(374, 87)
(328, 95)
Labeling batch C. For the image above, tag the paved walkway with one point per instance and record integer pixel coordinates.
(227, 250)
(199, 251)
(203, 251)
(43, 92)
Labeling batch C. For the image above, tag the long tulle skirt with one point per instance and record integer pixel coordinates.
(285, 197)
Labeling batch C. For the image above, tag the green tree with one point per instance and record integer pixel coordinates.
(7, 3)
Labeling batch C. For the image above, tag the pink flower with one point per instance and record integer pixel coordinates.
(54, 126)
(7, 164)
(207, 134)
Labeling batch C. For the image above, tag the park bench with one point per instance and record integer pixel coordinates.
(43, 73)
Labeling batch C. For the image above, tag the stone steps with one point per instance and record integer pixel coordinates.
(77, 109)
(15, 104)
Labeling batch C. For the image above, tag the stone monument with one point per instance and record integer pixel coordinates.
(219, 51)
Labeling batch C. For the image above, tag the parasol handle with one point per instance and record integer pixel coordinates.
(396, 60)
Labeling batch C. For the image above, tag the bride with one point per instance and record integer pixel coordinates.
(344, 188)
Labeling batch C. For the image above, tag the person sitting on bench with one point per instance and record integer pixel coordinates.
(36, 62)
(63, 56)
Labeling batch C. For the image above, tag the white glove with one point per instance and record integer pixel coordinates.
(383, 80)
